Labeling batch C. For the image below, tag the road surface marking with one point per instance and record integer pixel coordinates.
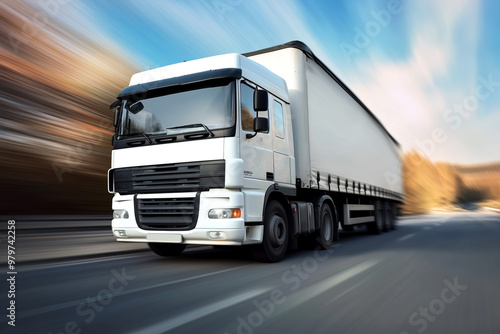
(184, 318)
(406, 237)
(60, 306)
(320, 288)
(329, 283)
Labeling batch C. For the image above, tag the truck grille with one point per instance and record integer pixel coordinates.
(193, 176)
(167, 213)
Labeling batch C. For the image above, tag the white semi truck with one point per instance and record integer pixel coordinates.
(269, 149)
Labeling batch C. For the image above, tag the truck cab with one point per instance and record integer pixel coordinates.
(199, 149)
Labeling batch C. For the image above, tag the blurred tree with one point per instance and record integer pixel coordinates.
(55, 125)
(430, 185)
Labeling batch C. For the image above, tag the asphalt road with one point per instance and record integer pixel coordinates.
(434, 274)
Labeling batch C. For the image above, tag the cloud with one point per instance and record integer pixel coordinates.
(412, 96)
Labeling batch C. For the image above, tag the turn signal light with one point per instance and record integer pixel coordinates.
(224, 213)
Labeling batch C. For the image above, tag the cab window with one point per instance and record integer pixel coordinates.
(247, 112)
(279, 122)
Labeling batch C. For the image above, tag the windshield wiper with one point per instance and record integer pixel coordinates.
(195, 125)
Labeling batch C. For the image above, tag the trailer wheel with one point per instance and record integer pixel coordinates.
(379, 225)
(324, 236)
(392, 214)
(276, 233)
(164, 249)
(389, 220)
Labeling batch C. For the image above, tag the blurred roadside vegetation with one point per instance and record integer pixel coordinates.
(429, 185)
(55, 124)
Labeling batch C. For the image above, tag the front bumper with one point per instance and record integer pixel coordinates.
(206, 231)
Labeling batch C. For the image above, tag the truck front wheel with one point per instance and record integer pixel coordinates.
(163, 249)
(275, 240)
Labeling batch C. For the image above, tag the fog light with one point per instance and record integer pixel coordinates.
(120, 214)
(224, 213)
(217, 235)
(120, 233)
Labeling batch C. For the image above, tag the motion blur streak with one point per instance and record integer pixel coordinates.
(55, 125)
(429, 185)
(169, 324)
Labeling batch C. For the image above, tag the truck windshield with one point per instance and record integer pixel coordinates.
(170, 111)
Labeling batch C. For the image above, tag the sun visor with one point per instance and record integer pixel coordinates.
(141, 89)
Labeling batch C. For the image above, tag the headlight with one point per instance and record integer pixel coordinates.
(120, 214)
(224, 213)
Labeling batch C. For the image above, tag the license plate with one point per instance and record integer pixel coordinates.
(164, 237)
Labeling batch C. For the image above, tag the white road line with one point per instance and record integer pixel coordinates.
(406, 237)
(321, 287)
(74, 303)
(200, 312)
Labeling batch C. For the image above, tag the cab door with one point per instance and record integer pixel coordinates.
(256, 152)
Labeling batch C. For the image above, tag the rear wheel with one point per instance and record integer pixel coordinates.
(391, 214)
(379, 225)
(276, 233)
(324, 236)
(164, 249)
(388, 216)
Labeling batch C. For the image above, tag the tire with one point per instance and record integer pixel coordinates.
(276, 234)
(385, 217)
(164, 249)
(388, 216)
(324, 236)
(379, 225)
(393, 215)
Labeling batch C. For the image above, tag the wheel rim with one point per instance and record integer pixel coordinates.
(277, 231)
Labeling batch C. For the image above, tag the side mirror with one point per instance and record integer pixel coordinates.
(260, 100)
(260, 124)
(115, 104)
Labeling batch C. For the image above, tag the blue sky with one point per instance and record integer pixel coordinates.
(428, 69)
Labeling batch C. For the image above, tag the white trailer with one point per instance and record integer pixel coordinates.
(268, 149)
